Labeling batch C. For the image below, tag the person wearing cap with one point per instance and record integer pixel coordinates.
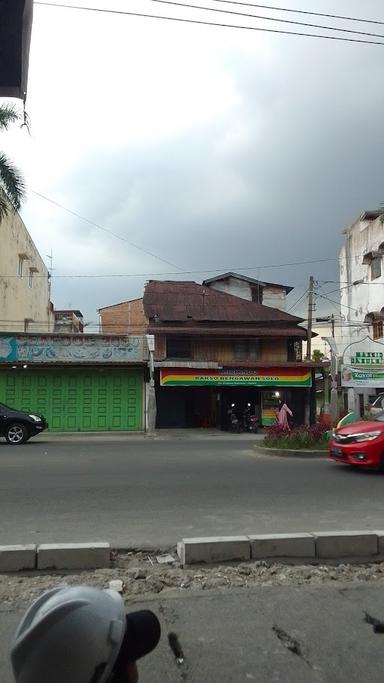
(81, 634)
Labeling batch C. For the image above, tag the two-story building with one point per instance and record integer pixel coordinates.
(361, 347)
(214, 349)
(24, 281)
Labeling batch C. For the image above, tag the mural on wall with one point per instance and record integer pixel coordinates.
(70, 349)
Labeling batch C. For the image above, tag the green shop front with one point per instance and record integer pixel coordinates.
(198, 397)
(78, 382)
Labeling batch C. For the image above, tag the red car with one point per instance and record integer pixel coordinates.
(359, 443)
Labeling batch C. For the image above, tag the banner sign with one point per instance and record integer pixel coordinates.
(276, 377)
(367, 358)
(365, 377)
(62, 348)
(362, 364)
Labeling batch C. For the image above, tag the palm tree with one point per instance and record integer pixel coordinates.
(12, 186)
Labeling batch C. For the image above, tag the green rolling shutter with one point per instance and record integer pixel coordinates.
(78, 400)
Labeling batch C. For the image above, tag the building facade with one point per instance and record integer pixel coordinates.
(258, 291)
(214, 350)
(361, 345)
(68, 321)
(24, 281)
(78, 382)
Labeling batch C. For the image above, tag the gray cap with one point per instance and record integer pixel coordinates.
(69, 635)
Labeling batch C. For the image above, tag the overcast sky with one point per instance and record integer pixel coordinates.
(211, 148)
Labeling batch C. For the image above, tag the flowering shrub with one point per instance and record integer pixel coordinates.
(314, 436)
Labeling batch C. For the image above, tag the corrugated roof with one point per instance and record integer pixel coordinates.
(230, 331)
(180, 301)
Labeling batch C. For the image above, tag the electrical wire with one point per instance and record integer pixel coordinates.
(300, 11)
(265, 18)
(337, 303)
(210, 23)
(298, 301)
(110, 232)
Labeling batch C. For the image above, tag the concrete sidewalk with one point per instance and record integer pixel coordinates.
(160, 435)
(287, 634)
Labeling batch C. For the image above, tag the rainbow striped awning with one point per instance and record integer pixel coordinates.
(257, 377)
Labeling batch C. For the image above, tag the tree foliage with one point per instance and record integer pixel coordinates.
(12, 186)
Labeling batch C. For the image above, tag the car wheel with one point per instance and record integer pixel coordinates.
(16, 433)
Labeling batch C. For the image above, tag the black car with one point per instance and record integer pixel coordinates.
(18, 426)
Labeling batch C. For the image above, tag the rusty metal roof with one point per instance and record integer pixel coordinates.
(171, 301)
(245, 331)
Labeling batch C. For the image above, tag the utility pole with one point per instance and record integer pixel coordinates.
(310, 316)
(309, 347)
(334, 369)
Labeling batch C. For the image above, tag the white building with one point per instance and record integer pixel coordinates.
(362, 307)
(24, 281)
(266, 293)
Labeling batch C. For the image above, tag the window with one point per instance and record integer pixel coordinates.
(257, 294)
(373, 260)
(246, 349)
(30, 279)
(179, 347)
(295, 350)
(375, 267)
(20, 266)
(377, 329)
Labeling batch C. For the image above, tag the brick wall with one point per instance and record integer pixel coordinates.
(125, 318)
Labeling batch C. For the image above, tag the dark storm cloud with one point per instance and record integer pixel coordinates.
(275, 181)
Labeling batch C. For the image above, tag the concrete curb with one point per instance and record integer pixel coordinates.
(316, 546)
(288, 453)
(15, 558)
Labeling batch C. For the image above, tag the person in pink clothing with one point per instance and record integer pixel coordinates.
(282, 415)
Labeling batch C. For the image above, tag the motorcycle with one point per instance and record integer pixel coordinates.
(250, 421)
(234, 422)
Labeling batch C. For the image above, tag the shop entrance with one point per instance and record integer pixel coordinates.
(187, 407)
(238, 399)
(199, 407)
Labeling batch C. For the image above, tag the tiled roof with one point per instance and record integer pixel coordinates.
(182, 302)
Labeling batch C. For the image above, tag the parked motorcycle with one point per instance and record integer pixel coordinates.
(250, 421)
(234, 422)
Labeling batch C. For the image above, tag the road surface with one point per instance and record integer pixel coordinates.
(139, 493)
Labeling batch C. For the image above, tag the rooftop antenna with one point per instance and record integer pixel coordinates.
(50, 258)
(50, 273)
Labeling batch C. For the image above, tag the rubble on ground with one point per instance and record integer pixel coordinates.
(138, 574)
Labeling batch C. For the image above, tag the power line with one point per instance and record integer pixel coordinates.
(110, 232)
(337, 303)
(265, 18)
(210, 23)
(183, 272)
(298, 301)
(238, 269)
(300, 11)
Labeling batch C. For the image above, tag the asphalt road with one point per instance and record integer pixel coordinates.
(139, 493)
(271, 634)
